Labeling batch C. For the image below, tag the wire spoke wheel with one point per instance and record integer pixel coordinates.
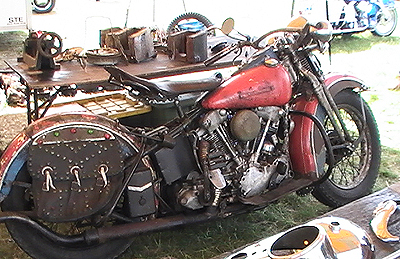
(356, 162)
(386, 22)
(350, 169)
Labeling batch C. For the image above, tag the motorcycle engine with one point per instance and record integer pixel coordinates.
(242, 154)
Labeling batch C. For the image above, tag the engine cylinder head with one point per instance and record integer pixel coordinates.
(245, 125)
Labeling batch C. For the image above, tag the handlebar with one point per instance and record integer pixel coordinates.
(304, 38)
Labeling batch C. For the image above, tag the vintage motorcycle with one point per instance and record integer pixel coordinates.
(78, 185)
(353, 16)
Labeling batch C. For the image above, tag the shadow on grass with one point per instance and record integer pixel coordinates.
(360, 42)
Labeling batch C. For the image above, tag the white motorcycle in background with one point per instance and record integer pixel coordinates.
(352, 16)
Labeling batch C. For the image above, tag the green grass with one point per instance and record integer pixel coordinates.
(214, 238)
(12, 41)
(373, 98)
(360, 42)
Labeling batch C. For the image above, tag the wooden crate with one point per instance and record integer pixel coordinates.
(117, 105)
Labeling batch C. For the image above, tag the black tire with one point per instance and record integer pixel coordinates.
(386, 24)
(40, 247)
(355, 173)
(173, 26)
(43, 6)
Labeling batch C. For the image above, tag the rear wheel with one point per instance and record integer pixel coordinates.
(355, 171)
(40, 247)
(386, 23)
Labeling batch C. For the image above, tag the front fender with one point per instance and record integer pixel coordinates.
(16, 154)
(305, 147)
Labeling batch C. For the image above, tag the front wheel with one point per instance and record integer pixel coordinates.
(355, 171)
(386, 22)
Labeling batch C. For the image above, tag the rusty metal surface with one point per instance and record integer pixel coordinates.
(72, 73)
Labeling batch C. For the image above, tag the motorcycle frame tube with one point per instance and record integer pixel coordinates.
(306, 163)
(16, 154)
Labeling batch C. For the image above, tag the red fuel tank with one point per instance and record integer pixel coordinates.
(256, 87)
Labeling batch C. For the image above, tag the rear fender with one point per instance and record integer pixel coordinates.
(305, 148)
(16, 154)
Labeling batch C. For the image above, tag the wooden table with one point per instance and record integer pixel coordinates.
(360, 213)
(71, 72)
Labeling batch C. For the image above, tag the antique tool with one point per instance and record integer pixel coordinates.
(40, 49)
(134, 44)
(103, 56)
(188, 46)
(380, 221)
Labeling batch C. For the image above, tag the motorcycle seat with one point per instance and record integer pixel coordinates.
(167, 88)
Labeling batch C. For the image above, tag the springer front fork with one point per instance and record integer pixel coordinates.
(326, 100)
